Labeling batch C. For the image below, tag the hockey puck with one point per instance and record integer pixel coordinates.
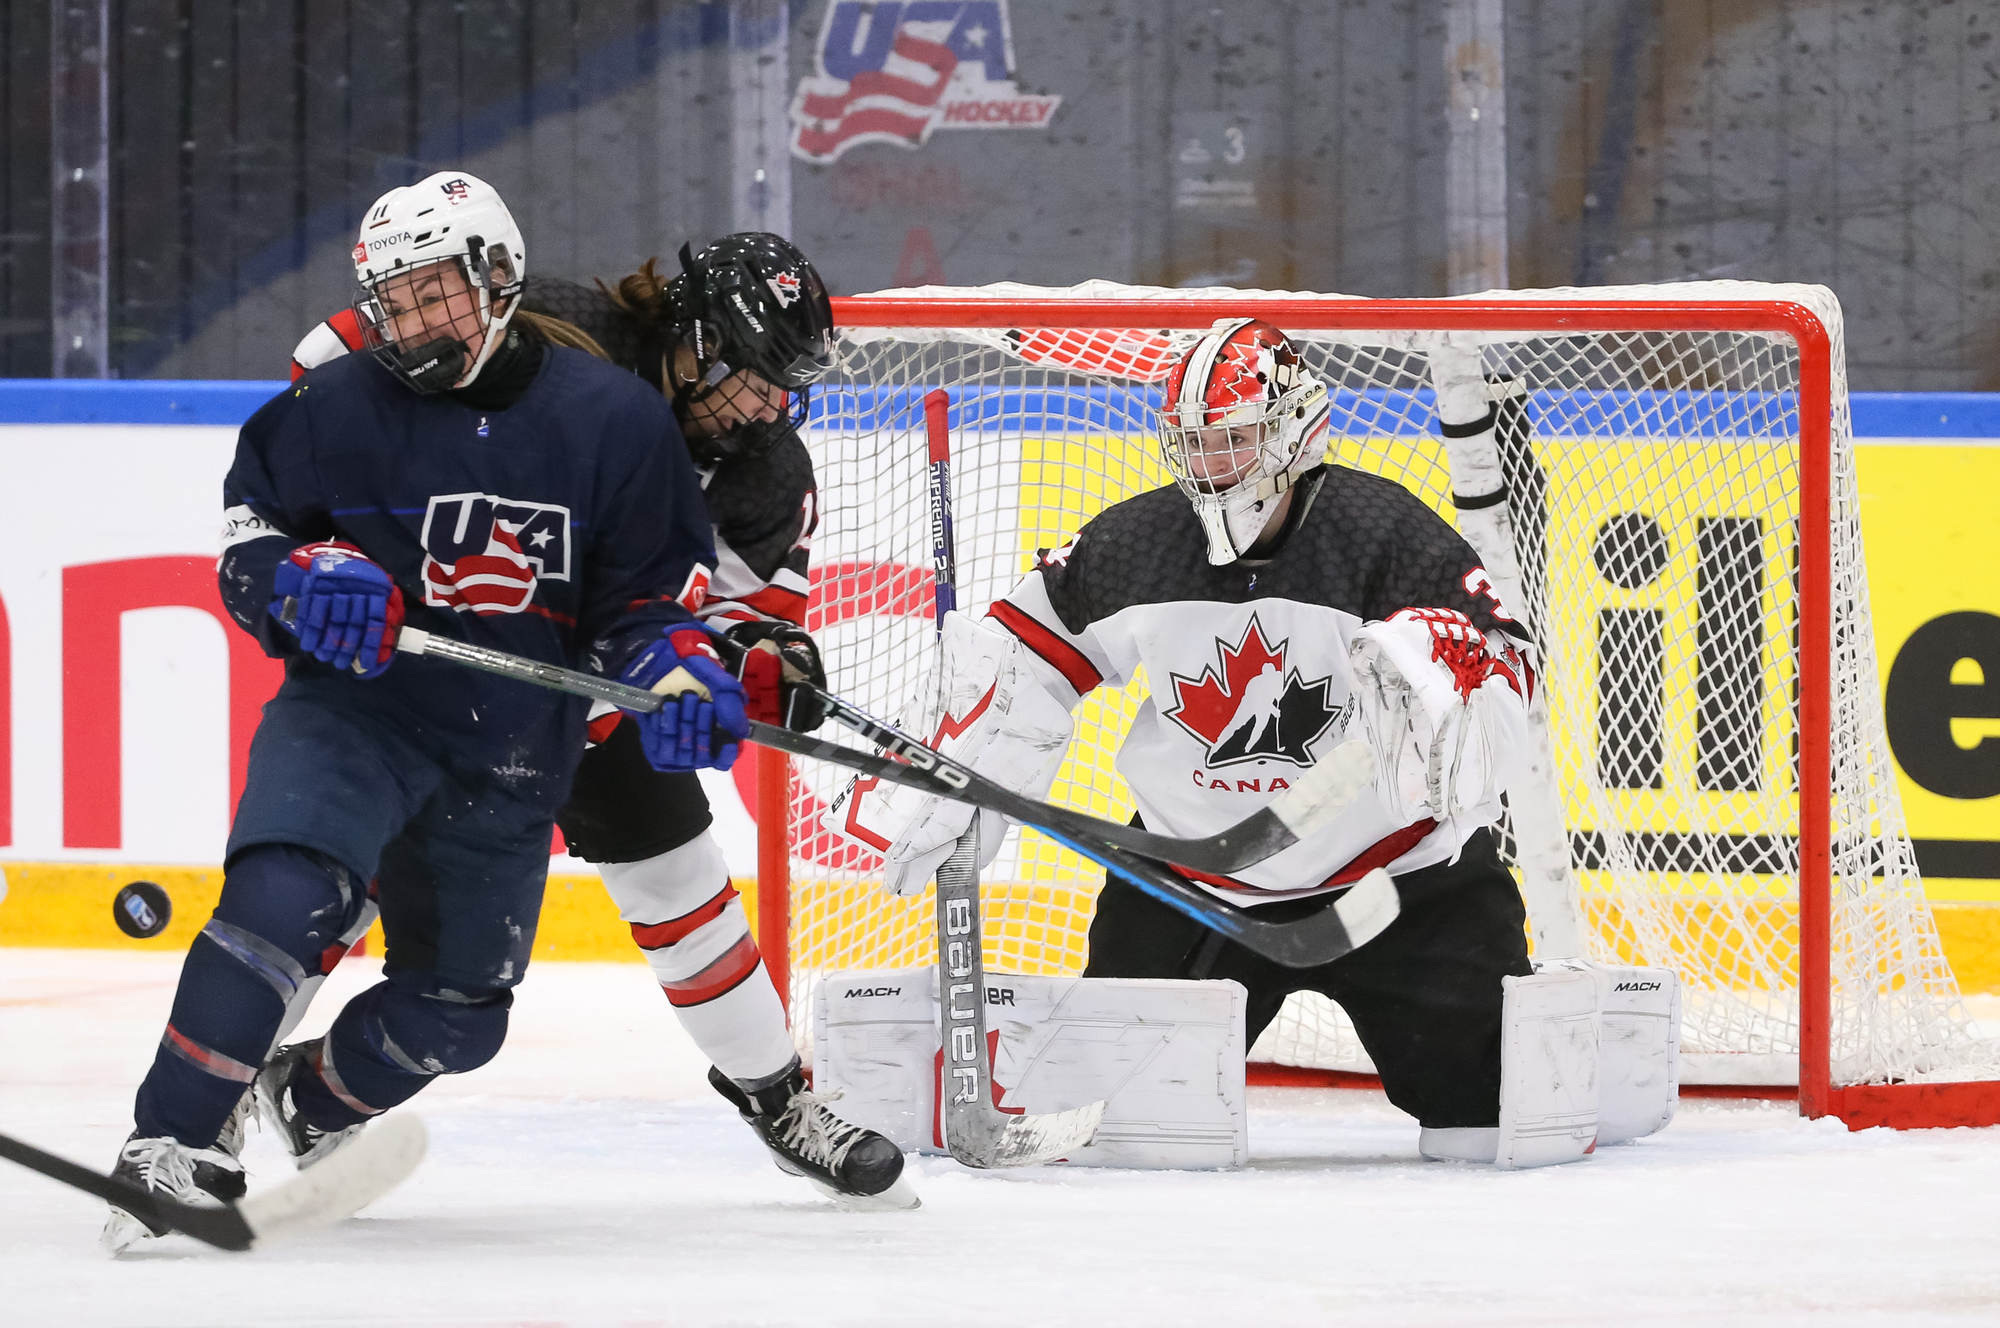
(141, 909)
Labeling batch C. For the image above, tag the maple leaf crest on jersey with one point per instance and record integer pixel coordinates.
(485, 554)
(1251, 707)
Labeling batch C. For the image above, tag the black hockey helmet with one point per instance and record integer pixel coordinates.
(751, 301)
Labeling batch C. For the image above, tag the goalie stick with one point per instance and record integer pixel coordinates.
(355, 1175)
(1355, 918)
(976, 1132)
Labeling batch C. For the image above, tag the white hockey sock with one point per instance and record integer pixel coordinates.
(687, 920)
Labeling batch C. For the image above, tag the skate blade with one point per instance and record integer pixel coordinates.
(899, 1197)
(125, 1234)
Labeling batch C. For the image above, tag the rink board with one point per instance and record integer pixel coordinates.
(132, 698)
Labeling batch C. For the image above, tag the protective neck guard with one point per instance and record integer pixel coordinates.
(506, 373)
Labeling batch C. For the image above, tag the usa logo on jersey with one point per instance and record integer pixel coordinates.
(484, 553)
(892, 71)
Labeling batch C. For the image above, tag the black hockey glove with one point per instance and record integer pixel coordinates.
(780, 669)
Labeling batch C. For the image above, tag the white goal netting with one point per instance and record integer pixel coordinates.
(1659, 488)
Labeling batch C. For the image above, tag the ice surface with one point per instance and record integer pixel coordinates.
(590, 1176)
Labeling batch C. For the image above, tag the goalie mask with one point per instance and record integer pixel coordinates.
(749, 306)
(440, 264)
(1242, 421)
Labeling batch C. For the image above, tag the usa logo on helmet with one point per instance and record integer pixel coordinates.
(893, 71)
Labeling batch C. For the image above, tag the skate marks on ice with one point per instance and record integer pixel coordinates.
(589, 1175)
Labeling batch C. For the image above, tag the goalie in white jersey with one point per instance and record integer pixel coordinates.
(1298, 605)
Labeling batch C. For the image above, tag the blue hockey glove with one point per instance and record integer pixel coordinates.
(344, 609)
(703, 719)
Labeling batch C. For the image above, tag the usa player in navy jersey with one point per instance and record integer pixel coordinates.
(469, 477)
(1278, 604)
(735, 340)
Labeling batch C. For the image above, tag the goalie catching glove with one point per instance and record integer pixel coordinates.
(1446, 714)
(999, 719)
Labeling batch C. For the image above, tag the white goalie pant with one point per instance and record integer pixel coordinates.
(688, 922)
(1166, 1058)
(1589, 1055)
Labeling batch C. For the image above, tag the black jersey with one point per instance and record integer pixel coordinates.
(1247, 662)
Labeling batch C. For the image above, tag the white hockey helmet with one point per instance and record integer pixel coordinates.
(1243, 418)
(450, 217)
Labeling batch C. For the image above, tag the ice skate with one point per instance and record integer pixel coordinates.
(306, 1142)
(168, 1167)
(857, 1167)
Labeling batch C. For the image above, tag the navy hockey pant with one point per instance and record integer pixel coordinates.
(1424, 995)
(460, 859)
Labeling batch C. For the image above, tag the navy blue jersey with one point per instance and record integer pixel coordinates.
(568, 528)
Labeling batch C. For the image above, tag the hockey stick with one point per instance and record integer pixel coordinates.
(976, 1132)
(346, 1181)
(1355, 918)
(1322, 793)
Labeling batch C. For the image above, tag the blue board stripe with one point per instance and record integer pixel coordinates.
(1744, 414)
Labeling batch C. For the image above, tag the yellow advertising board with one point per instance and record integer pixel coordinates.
(1929, 521)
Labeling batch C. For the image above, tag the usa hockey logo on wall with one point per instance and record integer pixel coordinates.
(893, 72)
(483, 553)
(1250, 706)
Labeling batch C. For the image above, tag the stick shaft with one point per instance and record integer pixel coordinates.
(908, 761)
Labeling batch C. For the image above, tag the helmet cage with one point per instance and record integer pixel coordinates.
(448, 217)
(723, 384)
(436, 358)
(752, 303)
(1242, 392)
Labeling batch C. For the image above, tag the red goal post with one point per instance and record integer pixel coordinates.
(1749, 836)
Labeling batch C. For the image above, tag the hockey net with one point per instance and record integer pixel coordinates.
(1680, 470)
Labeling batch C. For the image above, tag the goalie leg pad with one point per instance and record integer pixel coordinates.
(1639, 1067)
(1166, 1057)
(1548, 1069)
